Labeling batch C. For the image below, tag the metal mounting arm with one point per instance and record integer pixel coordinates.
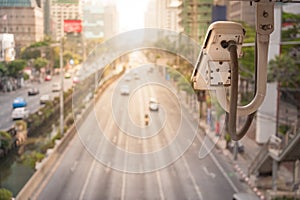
(264, 27)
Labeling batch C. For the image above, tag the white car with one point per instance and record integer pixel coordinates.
(127, 78)
(45, 98)
(56, 87)
(153, 104)
(20, 113)
(124, 90)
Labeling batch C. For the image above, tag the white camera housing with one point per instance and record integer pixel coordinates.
(212, 69)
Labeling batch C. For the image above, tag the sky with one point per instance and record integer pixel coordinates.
(131, 12)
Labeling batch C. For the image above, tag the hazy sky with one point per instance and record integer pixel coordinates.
(131, 13)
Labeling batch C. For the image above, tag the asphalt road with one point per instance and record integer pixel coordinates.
(116, 156)
(33, 102)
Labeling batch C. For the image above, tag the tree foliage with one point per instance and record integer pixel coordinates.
(35, 50)
(6, 140)
(40, 63)
(284, 70)
(294, 21)
(15, 67)
(247, 61)
(5, 194)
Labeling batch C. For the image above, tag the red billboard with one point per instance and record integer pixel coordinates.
(72, 26)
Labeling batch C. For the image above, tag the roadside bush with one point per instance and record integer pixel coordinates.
(31, 158)
(70, 121)
(5, 194)
(6, 140)
(48, 145)
(58, 136)
(21, 124)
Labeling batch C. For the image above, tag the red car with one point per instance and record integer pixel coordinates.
(75, 79)
(48, 78)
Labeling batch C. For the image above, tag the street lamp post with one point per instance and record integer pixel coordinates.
(61, 99)
(61, 75)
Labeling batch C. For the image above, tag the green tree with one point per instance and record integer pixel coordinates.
(3, 69)
(247, 61)
(15, 68)
(5, 194)
(291, 34)
(284, 70)
(5, 141)
(40, 63)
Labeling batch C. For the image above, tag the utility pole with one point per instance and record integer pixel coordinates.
(61, 99)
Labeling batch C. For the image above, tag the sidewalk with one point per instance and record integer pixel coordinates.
(244, 160)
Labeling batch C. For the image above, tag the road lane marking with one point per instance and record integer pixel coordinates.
(87, 180)
(123, 186)
(211, 174)
(73, 168)
(161, 192)
(108, 167)
(115, 139)
(192, 178)
(173, 172)
(124, 175)
(212, 156)
(52, 171)
(219, 166)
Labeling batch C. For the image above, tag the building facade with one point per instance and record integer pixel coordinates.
(24, 19)
(163, 14)
(241, 11)
(196, 16)
(93, 20)
(63, 10)
(111, 21)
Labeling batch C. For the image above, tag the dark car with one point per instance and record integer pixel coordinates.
(33, 91)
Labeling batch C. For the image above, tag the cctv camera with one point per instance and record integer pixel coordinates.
(212, 69)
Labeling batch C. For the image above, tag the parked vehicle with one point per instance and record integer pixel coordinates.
(20, 113)
(19, 102)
